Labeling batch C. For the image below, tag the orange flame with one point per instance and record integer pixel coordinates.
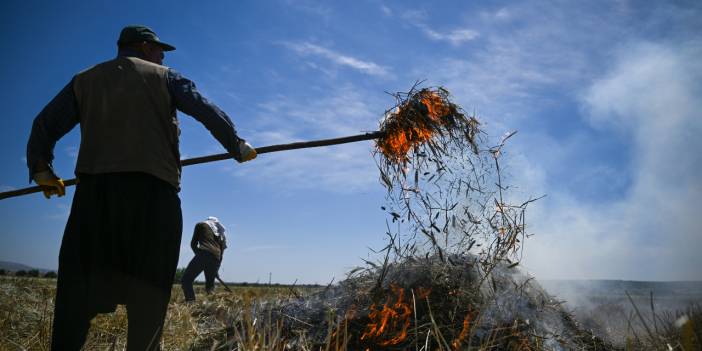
(464, 332)
(399, 140)
(398, 143)
(435, 105)
(388, 325)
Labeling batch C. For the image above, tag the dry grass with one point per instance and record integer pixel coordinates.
(681, 330)
(26, 309)
(232, 321)
(242, 320)
(221, 321)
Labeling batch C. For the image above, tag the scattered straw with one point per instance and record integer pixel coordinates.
(445, 186)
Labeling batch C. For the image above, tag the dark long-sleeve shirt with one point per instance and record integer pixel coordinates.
(61, 115)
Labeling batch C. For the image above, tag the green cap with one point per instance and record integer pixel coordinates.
(138, 33)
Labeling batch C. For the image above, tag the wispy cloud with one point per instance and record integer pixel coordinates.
(367, 67)
(652, 95)
(414, 15)
(340, 112)
(507, 77)
(386, 10)
(456, 37)
(503, 14)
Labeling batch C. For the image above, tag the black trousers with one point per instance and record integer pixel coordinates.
(120, 246)
(203, 261)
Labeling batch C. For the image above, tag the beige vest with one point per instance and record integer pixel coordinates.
(208, 241)
(127, 120)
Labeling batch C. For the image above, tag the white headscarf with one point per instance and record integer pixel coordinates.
(217, 227)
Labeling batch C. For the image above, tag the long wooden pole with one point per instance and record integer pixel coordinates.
(225, 156)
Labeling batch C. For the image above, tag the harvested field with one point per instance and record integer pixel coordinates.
(26, 310)
(245, 319)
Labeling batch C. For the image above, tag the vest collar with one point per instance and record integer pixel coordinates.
(130, 53)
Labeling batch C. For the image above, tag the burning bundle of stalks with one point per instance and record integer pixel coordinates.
(445, 189)
(424, 119)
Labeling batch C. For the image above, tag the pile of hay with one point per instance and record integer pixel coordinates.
(433, 304)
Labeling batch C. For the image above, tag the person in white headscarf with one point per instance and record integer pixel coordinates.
(208, 244)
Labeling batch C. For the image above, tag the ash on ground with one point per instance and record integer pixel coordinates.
(421, 303)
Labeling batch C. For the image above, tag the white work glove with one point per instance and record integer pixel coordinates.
(246, 151)
(50, 183)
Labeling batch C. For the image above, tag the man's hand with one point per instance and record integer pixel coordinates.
(50, 183)
(246, 151)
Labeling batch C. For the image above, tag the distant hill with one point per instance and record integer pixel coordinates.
(14, 266)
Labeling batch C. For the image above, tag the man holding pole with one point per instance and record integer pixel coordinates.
(208, 244)
(122, 239)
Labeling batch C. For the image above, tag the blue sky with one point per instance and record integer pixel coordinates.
(605, 96)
